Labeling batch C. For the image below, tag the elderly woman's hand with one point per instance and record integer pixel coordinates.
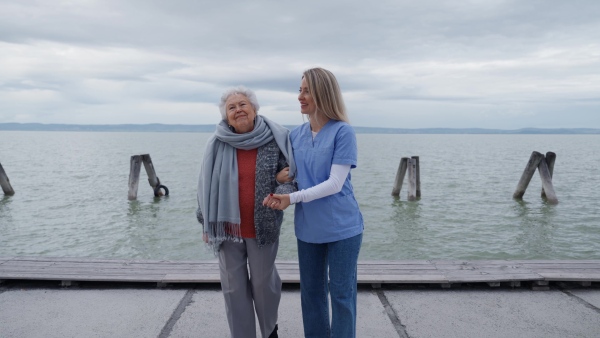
(270, 202)
(283, 176)
(276, 201)
(205, 237)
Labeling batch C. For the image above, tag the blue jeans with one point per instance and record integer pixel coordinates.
(340, 258)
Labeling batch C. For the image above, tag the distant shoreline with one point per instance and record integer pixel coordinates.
(208, 128)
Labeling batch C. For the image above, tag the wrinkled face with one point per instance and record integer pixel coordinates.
(307, 104)
(240, 113)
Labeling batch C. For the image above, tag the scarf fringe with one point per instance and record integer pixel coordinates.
(219, 232)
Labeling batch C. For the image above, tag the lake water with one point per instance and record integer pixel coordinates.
(71, 197)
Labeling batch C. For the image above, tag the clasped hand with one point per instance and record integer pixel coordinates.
(277, 201)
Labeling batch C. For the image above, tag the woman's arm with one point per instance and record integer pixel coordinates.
(288, 186)
(332, 185)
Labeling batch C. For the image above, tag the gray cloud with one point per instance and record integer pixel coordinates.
(496, 63)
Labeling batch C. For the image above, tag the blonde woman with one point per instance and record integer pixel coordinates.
(328, 222)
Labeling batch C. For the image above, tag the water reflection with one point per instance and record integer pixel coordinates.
(5, 210)
(5, 200)
(143, 233)
(409, 229)
(134, 208)
(538, 228)
(406, 213)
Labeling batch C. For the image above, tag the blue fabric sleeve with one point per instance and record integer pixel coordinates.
(345, 151)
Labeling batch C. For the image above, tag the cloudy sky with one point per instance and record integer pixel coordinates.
(405, 64)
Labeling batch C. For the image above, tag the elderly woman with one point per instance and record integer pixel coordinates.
(240, 166)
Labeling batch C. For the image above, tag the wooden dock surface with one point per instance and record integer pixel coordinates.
(444, 272)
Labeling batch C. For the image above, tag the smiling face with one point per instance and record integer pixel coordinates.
(307, 103)
(240, 113)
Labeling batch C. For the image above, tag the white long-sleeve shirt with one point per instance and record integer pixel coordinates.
(332, 185)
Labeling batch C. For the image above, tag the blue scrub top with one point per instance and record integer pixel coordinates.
(335, 217)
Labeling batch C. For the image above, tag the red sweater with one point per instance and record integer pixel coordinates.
(246, 189)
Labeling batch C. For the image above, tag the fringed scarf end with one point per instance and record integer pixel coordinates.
(219, 232)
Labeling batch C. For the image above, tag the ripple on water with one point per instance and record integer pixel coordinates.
(75, 204)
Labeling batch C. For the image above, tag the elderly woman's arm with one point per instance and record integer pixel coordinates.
(289, 186)
(283, 176)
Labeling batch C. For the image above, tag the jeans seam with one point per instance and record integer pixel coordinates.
(326, 290)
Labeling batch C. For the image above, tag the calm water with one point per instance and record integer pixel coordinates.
(71, 197)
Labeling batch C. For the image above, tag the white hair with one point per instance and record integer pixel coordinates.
(238, 90)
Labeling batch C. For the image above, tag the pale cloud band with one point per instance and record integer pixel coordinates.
(403, 64)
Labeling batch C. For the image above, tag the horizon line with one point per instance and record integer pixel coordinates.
(355, 126)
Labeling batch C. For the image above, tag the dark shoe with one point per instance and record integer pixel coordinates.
(274, 333)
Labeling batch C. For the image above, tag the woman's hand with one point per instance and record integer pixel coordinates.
(205, 237)
(283, 176)
(271, 202)
(276, 201)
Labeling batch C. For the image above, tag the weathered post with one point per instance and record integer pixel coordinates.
(400, 176)
(416, 158)
(5, 182)
(547, 182)
(412, 179)
(532, 165)
(550, 159)
(134, 176)
(152, 178)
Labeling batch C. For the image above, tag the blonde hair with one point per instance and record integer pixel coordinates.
(325, 90)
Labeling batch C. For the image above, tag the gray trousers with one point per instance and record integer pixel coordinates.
(244, 293)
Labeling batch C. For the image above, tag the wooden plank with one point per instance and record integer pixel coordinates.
(100, 270)
(192, 278)
(92, 278)
(111, 265)
(562, 266)
(401, 272)
(494, 278)
(396, 269)
(371, 272)
(69, 259)
(384, 278)
(562, 261)
(10, 264)
(105, 274)
(80, 272)
(493, 274)
(489, 269)
(8, 267)
(397, 266)
(491, 263)
(566, 276)
(394, 262)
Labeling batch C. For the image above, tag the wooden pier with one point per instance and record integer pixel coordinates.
(538, 273)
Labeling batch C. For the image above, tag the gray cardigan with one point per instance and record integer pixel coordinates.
(267, 222)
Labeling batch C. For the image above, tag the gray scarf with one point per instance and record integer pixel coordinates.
(218, 197)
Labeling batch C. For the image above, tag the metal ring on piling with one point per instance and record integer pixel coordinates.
(157, 190)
